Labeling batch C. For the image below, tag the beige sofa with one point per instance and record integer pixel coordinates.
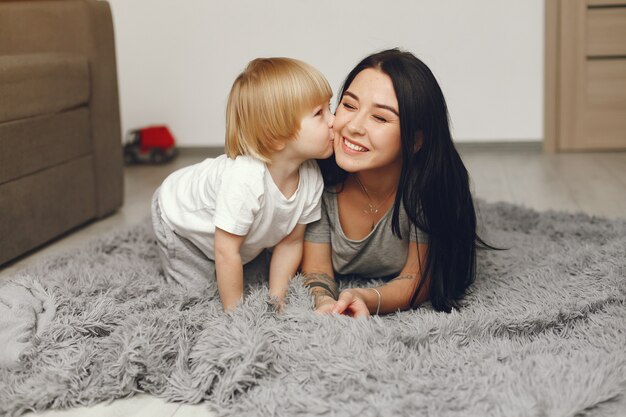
(60, 140)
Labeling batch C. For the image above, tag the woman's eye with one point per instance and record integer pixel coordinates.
(380, 119)
(348, 106)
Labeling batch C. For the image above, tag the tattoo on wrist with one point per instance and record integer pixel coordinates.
(320, 285)
(400, 277)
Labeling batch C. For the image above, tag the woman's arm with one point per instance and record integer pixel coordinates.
(394, 295)
(317, 268)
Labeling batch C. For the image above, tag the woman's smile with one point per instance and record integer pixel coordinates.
(353, 146)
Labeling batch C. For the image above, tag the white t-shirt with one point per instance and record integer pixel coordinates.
(240, 197)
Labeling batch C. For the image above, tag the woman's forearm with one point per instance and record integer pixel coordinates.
(321, 285)
(394, 296)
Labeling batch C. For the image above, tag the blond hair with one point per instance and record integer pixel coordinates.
(267, 102)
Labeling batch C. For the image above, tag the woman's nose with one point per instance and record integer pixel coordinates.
(355, 125)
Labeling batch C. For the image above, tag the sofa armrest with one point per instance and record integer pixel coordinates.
(83, 27)
(105, 113)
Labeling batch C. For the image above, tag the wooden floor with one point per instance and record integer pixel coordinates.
(594, 183)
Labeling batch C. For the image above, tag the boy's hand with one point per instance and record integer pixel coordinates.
(278, 303)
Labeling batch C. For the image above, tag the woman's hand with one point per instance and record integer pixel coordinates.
(351, 303)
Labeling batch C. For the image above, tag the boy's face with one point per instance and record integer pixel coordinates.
(314, 140)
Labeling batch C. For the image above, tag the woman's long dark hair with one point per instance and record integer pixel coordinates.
(434, 184)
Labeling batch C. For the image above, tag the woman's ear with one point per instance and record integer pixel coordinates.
(419, 141)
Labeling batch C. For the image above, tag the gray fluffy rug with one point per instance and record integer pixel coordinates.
(543, 333)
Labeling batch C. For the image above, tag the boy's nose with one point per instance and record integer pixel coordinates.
(331, 120)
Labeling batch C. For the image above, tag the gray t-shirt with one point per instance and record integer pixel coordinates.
(380, 254)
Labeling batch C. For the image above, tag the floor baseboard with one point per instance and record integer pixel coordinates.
(530, 145)
(500, 146)
(209, 151)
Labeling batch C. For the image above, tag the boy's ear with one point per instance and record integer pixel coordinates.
(279, 145)
(419, 141)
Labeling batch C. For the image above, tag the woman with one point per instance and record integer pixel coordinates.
(397, 203)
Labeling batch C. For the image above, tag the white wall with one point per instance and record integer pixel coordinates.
(177, 59)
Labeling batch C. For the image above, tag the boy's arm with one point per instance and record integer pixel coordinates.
(285, 261)
(228, 267)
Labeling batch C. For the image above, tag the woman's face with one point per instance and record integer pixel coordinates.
(367, 124)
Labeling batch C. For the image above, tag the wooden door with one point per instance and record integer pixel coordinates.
(585, 79)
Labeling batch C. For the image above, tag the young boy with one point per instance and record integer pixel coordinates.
(213, 217)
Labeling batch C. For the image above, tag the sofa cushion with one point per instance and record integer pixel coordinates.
(36, 84)
(36, 143)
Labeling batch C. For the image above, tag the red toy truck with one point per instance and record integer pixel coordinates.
(152, 144)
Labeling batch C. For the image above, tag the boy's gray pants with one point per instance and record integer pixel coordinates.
(185, 264)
